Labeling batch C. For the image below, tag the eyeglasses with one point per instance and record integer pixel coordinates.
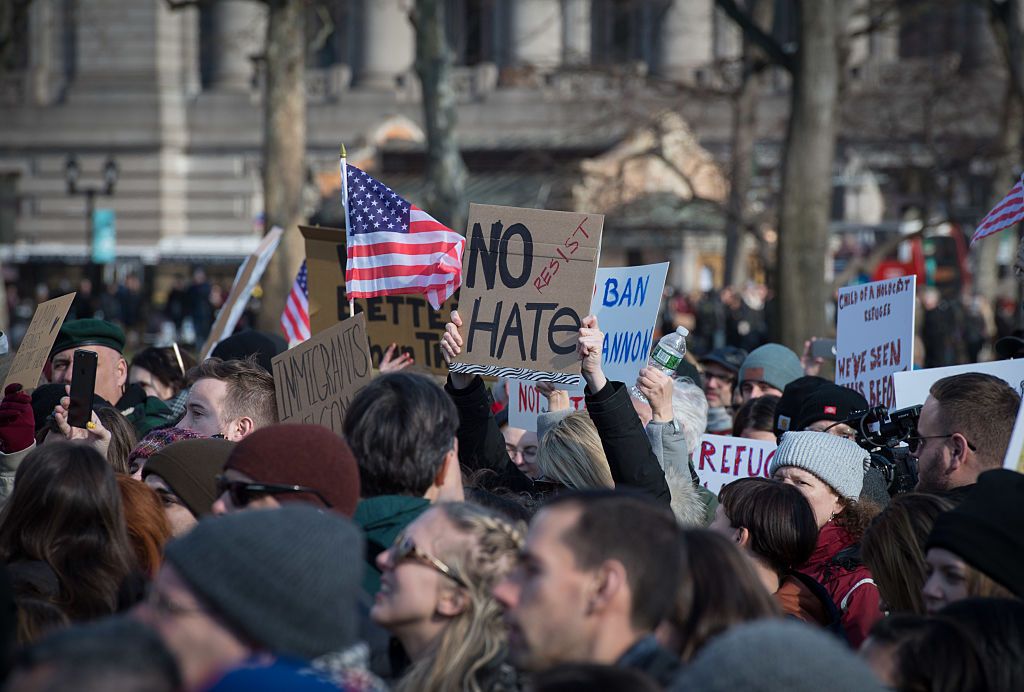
(529, 453)
(914, 441)
(244, 492)
(405, 548)
(727, 379)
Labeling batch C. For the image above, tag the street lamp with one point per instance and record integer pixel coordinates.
(72, 173)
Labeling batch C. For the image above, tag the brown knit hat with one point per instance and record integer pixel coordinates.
(299, 454)
(190, 468)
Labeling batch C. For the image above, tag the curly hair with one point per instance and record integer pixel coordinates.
(474, 640)
(855, 517)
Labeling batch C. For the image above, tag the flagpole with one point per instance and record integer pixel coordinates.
(344, 203)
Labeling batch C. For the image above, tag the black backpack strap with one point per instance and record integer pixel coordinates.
(832, 612)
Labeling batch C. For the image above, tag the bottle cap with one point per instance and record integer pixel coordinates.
(682, 331)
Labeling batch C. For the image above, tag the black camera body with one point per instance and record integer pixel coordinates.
(881, 433)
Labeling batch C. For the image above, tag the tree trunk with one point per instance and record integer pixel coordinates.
(446, 171)
(284, 148)
(807, 176)
(744, 134)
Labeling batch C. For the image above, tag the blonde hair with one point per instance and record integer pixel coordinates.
(474, 639)
(571, 454)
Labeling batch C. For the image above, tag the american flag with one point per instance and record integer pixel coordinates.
(1007, 213)
(395, 248)
(295, 318)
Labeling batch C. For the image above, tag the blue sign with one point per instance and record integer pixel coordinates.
(104, 236)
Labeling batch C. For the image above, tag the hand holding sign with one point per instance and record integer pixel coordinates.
(558, 399)
(451, 347)
(388, 363)
(588, 346)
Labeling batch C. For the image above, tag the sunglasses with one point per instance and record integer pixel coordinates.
(405, 548)
(244, 492)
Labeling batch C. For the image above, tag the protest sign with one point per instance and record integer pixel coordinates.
(626, 302)
(528, 278)
(35, 347)
(405, 320)
(246, 278)
(720, 459)
(315, 380)
(1014, 459)
(912, 387)
(875, 337)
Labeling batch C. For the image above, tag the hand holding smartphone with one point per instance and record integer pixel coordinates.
(83, 385)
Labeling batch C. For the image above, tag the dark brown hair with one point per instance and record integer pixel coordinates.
(148, 528)
(66, 511)
(250, 389)
(718, 589)
(758, 414)
(980, 407)
(855, 516)
(893, 548)
(122, 438)
(163, 364)
(783, 531)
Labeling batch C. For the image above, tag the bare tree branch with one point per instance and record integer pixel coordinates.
(766, 42)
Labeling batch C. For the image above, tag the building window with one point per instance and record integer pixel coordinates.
(625, 31)
(332, 33)
(477, 31)
(8, 207)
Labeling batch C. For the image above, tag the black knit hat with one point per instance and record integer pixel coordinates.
(829, 402)
(793, 396)
(287, 579)
(987, 529)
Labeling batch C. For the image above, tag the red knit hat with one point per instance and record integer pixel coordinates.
(299, 454)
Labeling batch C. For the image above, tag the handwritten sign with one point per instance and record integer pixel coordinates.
(246, 278)
(912, 387)
(528, 277)
(406, 320)
(1014, 459)
(626, 302)
(35, 347)
(875, 337)
(722, 459)
(316, 380)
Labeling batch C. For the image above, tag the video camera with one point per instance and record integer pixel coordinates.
(881, 433)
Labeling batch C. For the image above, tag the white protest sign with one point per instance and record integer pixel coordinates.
(721, 460)
(875, 337)
(912, 387)
(1014, 459)
(626, 303)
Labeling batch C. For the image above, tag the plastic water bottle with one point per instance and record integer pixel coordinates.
(667, 356)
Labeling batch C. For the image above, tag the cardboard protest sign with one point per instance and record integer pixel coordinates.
(721, 459)
(528, 278)
(912, 387)
(405, 320)
(35, 347)
(246, 278)
(316, 380)
(875, 337)
(626, 302)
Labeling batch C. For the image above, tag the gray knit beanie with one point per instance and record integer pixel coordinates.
(772, 364)
(760, 656)
(287, 579)
(837, 461)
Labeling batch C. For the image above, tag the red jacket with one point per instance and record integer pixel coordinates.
(853, 590)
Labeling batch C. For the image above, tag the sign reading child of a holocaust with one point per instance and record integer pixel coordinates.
(875, 337)
(626, 302)
(316, 380)
(527, 281)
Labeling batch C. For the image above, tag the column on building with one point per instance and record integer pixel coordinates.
(237, 32)
(389, 43)
(576, 32)
(687, 38)
(537, 30)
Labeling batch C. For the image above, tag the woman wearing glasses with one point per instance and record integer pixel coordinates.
(435, 598)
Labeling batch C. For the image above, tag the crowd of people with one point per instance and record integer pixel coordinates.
(186, 540)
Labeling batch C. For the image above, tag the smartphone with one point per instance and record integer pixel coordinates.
(83, 384)
(823, 348)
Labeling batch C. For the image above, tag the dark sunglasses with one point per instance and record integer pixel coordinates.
(244, 492)
(405, 548)
(914, 441)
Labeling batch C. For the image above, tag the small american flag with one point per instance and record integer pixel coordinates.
(295, 318)
(1007, 213)
(396, 248)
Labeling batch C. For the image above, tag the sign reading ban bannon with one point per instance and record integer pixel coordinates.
(316, 380)
(528, 277)
(875, 337)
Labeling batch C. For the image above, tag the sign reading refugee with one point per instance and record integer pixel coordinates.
(626, 302)
(316, 380)
(35, 347)
(875, 337)
(405, 320)
(528, 278)
(722, 459)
